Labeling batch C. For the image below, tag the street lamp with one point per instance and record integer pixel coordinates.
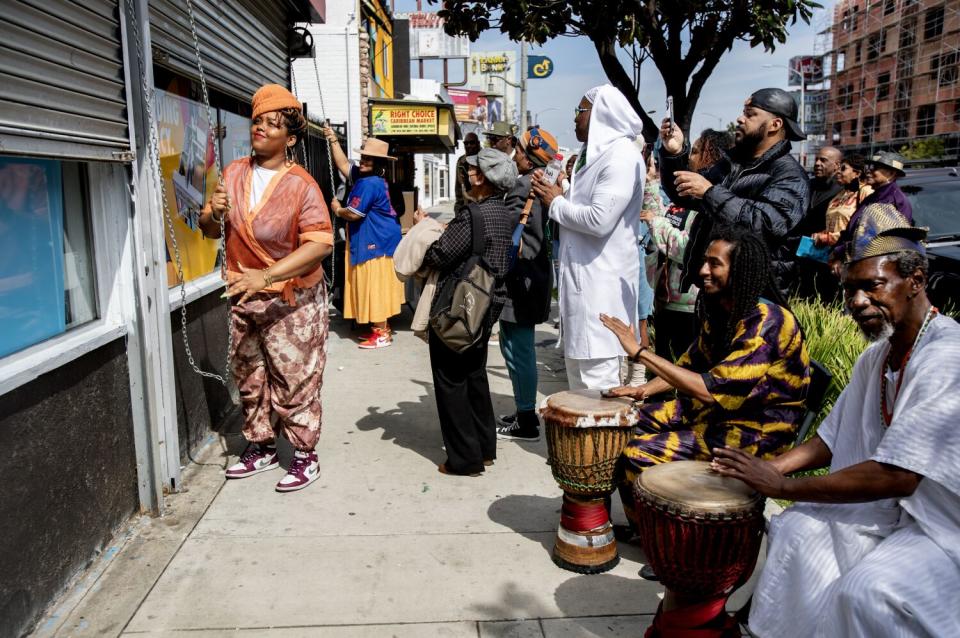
(803, 104)
(536, 116)
(719, 119)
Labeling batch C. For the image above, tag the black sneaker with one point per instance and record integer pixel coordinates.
(526, 427)
(506, 420)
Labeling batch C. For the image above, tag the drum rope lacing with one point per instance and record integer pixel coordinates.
(578, 517)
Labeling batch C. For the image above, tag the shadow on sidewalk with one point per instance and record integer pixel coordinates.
(414, 425)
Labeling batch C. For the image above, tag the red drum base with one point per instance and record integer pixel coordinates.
(585, 542)
(701, 619)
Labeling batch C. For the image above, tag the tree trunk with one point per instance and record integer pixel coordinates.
(618, 77)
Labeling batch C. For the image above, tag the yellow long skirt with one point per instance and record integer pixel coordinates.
(371, 291)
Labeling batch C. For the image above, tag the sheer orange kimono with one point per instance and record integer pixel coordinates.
(279, 335)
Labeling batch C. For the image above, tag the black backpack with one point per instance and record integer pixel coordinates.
(463, 302)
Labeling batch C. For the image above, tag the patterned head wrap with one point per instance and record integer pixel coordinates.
(539, 145)
(882, 230)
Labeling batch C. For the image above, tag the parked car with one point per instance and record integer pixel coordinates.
(934, 194)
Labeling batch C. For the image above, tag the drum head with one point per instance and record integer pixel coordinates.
(693, 486)
(588, 408)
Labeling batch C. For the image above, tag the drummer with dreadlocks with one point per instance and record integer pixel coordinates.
(742, 383)
(278, 231)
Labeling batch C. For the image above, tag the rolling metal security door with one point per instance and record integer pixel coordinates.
(62, 81)
(243, 43)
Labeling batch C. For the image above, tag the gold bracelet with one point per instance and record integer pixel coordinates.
(267, 277)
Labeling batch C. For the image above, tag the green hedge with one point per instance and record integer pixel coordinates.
(834, 340)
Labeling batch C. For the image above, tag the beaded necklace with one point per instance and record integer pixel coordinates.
(888, 415)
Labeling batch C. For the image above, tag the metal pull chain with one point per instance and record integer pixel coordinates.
(333, 192)
(154, 159)
(219, 166)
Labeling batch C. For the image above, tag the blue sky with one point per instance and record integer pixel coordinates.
(577, 68)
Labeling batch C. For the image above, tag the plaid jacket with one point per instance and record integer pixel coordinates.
(455, 246)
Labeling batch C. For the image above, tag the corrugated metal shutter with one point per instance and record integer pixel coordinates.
(243, 42)
(61, 79)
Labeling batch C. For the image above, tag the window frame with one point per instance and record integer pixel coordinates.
(108, 203)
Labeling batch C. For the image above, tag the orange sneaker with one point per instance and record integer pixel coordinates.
(379, 339)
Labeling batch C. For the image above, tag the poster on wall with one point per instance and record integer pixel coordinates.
(470, 108)
(190, 176)
(235, 137)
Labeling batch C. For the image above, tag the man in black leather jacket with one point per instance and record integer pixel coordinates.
(758, 185)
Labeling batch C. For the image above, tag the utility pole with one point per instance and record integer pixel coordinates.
(523, 86)
(420, 60)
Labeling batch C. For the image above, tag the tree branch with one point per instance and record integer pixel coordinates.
(618, 77)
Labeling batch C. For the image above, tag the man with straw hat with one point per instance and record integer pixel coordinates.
(873, 549)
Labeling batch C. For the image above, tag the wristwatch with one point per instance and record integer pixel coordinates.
(635, 357)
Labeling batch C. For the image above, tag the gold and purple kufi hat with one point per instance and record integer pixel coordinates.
(882, 230)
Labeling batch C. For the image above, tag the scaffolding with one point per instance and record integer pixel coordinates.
(894, 74)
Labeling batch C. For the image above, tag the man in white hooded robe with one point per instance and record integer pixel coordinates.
(599, 219)
(875, 549)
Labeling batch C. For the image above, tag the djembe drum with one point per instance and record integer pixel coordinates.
(586, 433)
(701, 533)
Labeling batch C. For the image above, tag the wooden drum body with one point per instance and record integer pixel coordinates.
(586, 434)
(701, 534)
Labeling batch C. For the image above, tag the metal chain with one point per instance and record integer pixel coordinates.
(303, 147)
(154, 159)
(333, 191)
(214, 131)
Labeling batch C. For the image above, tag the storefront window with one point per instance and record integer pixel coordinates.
(46, 259)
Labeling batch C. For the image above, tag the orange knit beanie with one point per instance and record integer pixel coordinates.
(273, 97)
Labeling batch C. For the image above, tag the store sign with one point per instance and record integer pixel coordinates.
(429, 41)
(489, 63)
(809, 67)
(403, 120)
(539, 67)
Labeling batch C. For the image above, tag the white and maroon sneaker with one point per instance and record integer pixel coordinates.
(304, 470)
(255, 459)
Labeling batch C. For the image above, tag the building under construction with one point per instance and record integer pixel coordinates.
(895, 75)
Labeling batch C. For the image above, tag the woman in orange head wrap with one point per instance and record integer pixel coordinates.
(278, 231)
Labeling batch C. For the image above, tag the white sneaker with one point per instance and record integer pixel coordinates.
(255, 459)
(304, 469)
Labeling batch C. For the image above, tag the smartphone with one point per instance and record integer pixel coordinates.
(670, 112)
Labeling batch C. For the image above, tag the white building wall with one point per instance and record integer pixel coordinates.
(437, 171)
(338, 64)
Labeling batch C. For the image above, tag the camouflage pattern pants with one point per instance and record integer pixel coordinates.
(279, 352)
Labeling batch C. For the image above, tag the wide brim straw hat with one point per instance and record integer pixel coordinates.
(372, 147)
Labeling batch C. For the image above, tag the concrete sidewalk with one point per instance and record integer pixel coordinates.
(381, 545)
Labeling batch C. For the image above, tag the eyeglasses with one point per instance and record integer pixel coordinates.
(577, 110)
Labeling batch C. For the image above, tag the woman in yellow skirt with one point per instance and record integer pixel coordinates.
(372, 293)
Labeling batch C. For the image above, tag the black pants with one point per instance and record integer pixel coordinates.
(674, 332)
(464, 405)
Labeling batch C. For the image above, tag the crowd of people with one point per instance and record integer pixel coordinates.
(706, 242)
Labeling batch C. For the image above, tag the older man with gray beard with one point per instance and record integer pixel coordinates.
(873, 547)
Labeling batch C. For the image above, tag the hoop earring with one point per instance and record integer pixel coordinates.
(288, 152)
(253, 153)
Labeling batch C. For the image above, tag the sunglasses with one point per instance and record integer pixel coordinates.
(577, 110)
